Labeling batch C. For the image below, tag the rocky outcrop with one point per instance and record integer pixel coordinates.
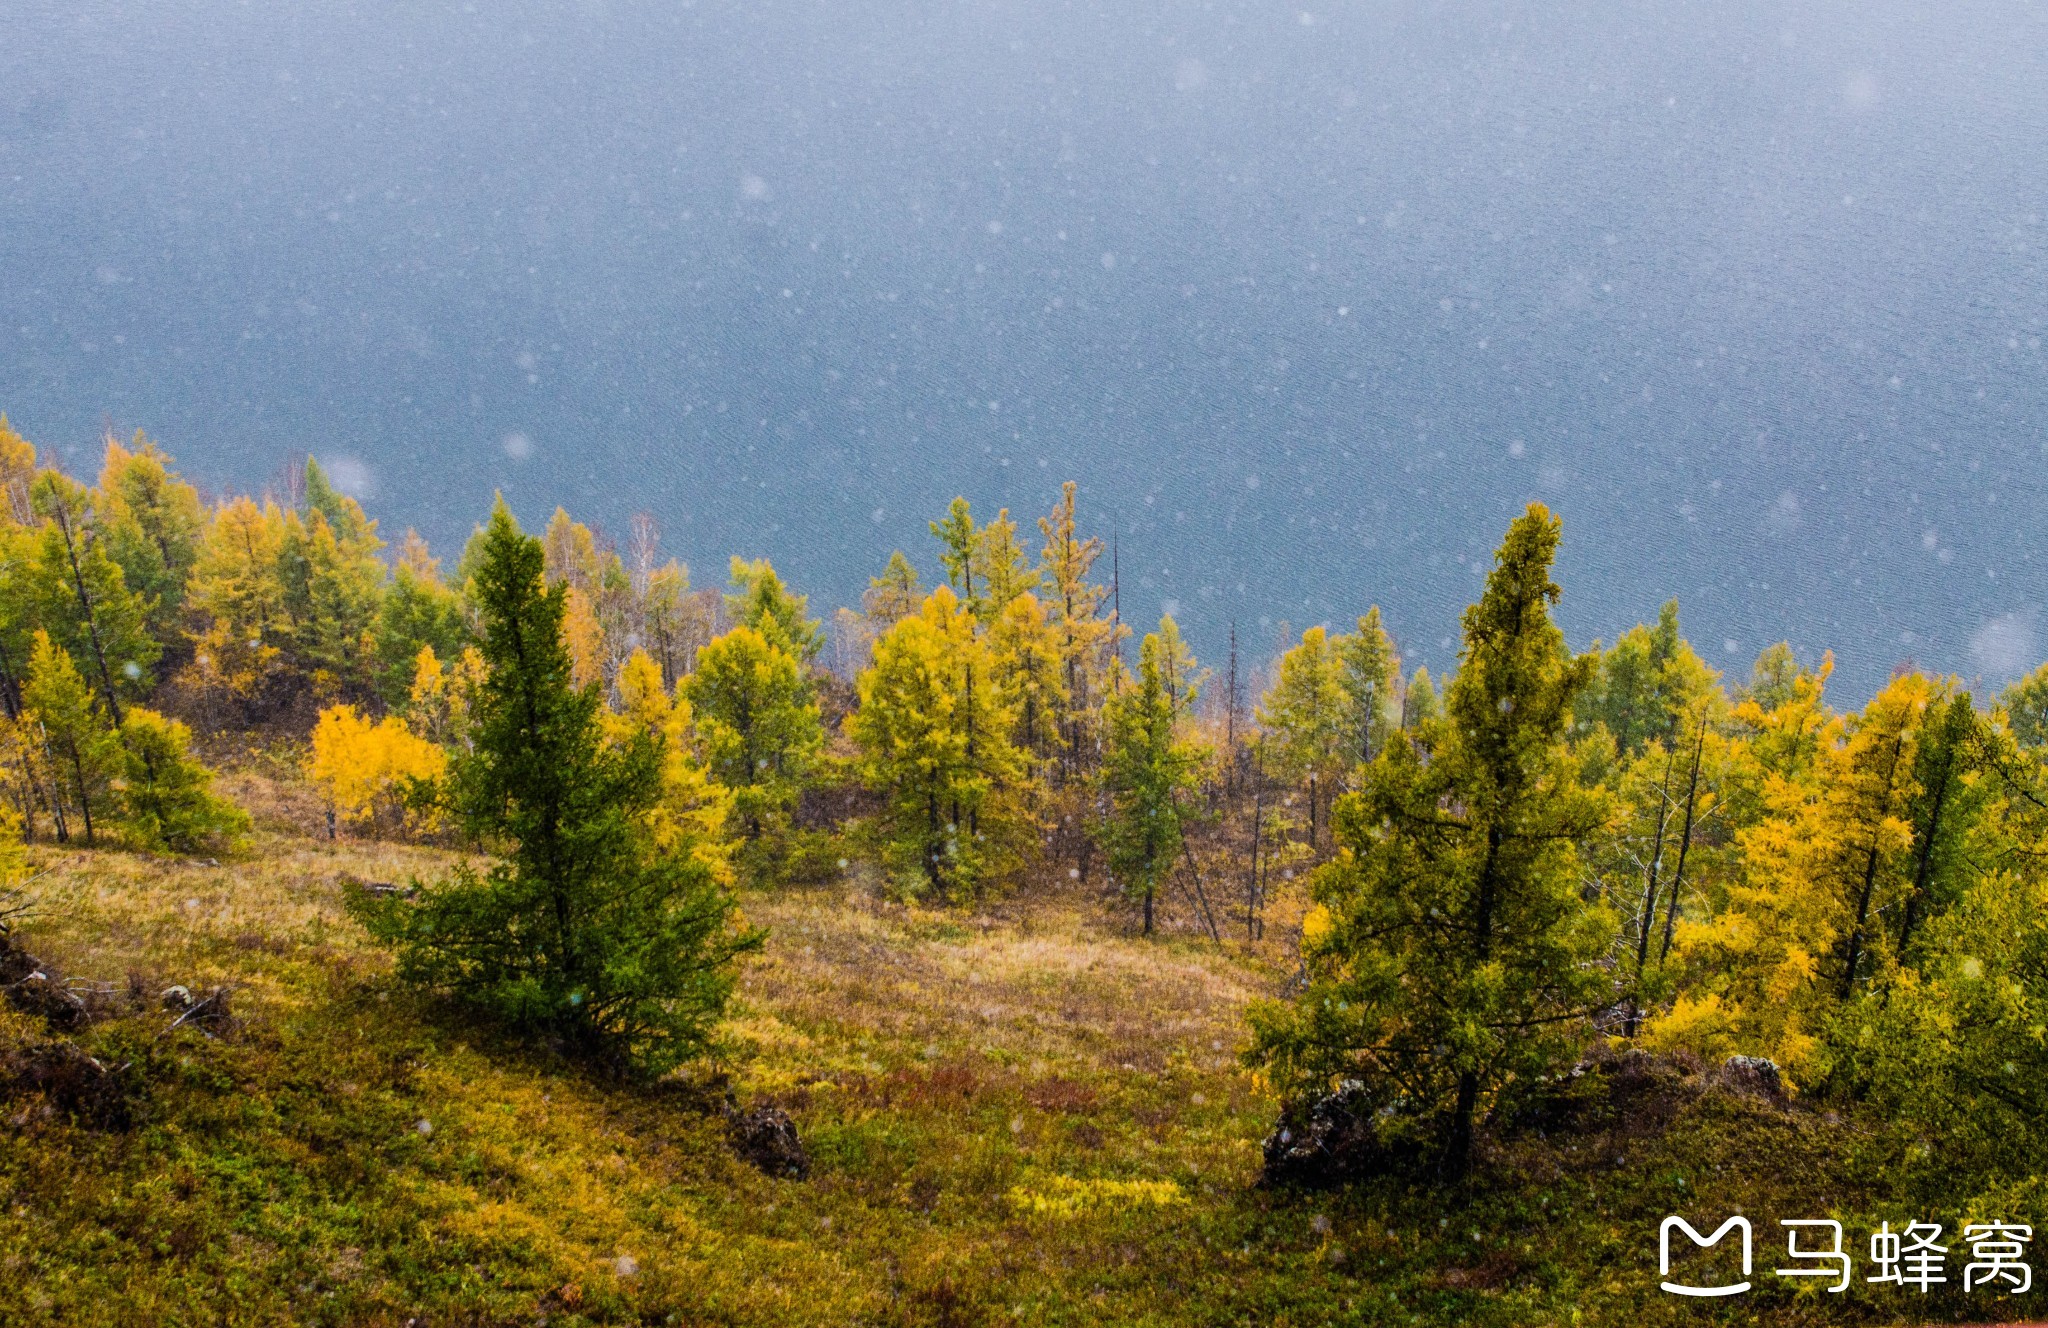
(766, 1137)
(1328, 1141)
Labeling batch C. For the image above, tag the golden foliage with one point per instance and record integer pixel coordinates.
(693, 811)
(439, 702)
(584, 636)
(17, 471)
(226, 662)
(362, 768)
(1800, 926)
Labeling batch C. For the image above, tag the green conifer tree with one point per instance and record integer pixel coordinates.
(1307, 712)
(165, 795)
(418, 610)
(761, 601)
(152, 522)
(892, 596)
(1951, 798)
(1147, 768)
(80, 597)
(1179, 672)
(583, 929)
(958, 539)
(1644, 684)
(1452, 957)
(333, 586)
(1419, 703)
(2026, 709)
(1371, 678)
(83, 750)
(758, 723)
(18, 596)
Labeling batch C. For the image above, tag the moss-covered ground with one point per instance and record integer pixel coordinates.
(1018, 1114)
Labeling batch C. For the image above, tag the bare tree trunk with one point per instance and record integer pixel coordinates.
(1855, 949)
(49, 792)
(1252, 892)
(1201, 895)
(1649, 913)
(1692, 789)
(10, 686)
(84, 796)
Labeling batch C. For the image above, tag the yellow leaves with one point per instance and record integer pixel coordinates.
(439, 702)
(1701, 1022)
(1072, 1196)
(1823, 874)
(1792, 973)
(584, 636)
(356, 763)
(693, 811)
(229, 662)
(1316, 927)
(643, 702)
(13, 862)
(236, 579)
(429, 679)
(17, 470)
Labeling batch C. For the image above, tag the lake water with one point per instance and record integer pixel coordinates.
(1310, 300)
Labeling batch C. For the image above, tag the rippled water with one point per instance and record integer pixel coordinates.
(1309, 300)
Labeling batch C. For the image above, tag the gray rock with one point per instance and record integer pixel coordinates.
(1753, 1074)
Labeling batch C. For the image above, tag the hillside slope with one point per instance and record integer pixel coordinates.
(1019, 1115)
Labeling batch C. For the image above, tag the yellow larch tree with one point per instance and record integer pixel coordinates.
(240, 597)
(1800, 931)
(693, 812)
(362, 768)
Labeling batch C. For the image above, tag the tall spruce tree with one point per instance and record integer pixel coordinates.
(1451, 956)
(1147, 768)
(1308, 712)
(583, 929)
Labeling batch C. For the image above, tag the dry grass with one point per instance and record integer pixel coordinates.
(1022, 1115)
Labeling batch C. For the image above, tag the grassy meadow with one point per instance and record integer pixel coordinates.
(1018, 1114)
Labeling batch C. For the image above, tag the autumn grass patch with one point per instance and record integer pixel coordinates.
(1024, 1115)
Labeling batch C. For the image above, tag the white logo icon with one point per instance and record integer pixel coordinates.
(1664, 1255)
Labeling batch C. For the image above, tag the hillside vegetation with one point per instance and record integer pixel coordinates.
(1018, 1114)
(542, 939)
